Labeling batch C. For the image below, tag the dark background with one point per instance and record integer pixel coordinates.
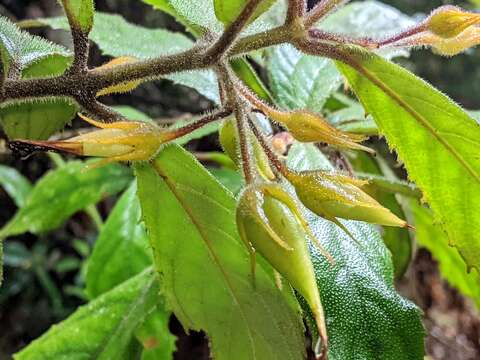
(29, 306)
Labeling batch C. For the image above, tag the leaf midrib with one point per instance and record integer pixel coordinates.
(420, 118)
(204, 236)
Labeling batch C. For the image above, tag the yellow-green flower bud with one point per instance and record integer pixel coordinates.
(269, 221)
(338, 196)
(450, 21)
(306, 126)
(448, 47)
(118, 141)
(228, 140)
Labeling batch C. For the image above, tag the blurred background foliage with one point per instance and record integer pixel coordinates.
(44, 274)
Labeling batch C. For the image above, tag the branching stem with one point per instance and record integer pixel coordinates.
(232, 32)
(296, 10)
(239, 107)
(272, 157)
(321, 10)
(195, 125)
(82, 85)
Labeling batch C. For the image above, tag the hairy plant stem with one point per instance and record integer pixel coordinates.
(235, 102)
(296, 9)
(187, 129)
(321, 10)
(272, 157)
(81, 50)
(81, 46)
(81, 87)
(232, 32)
(246, 154)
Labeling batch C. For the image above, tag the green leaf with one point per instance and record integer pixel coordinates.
(80, 13)
(398, 240)
(121, 237)
(248, 75)
(36, 120)
(352, 119)
(15, 184)
(167, 7)
(227, 11)
(300, 81)
(62, 192)
(366, 318)
(116, 37)
(451, 265)
(105, 326)
(155, 336)
(19, 50)
(187, 13)
(204, 267)
(229, 178)
(437, 141)
(31, 56)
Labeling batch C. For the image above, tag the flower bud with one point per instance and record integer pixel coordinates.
(450, 21)
(338, 196)
(118, 141)
(306, 126)
(446, 47)
(269, 221)
(228, 140)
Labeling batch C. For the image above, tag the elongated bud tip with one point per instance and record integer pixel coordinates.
(27, 147)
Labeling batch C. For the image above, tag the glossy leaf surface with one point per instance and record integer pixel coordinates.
(366, 318)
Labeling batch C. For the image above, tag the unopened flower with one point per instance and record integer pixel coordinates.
(306, 126)
(335, 196)
(449, 21)
(270, 222)
(118, 141)
(447, 47)
(449, 30)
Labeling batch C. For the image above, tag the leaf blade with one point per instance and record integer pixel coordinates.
(228, 10)
(107, 324)
(447, 172)
(213, 246)
(451, 265)
(15, 184)
(65, 190)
